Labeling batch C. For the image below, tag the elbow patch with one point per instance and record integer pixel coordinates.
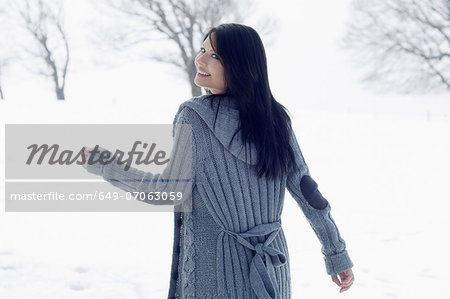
(312, 195)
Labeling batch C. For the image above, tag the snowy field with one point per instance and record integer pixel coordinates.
(386, 175)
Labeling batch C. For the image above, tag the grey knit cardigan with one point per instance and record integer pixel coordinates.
(232, 244)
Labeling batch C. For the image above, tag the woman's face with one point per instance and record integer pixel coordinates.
(210, 73)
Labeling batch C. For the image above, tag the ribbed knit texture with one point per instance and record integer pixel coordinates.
(232, 244)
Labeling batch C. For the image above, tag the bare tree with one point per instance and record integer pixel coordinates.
(401, 45)
(4, 62)
(1, 89)
(44, 22)
(5, 54)
(180, 24)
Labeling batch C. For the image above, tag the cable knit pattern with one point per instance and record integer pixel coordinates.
(188, 281)
(232, 244)
(178, 291)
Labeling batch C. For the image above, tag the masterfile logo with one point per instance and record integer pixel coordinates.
(68, 157)
(46, 167)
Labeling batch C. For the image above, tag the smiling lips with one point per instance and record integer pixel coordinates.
(203, 74)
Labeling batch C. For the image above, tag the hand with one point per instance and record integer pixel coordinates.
(347, 279)
(86, 155)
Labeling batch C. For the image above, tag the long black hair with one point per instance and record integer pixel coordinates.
(263, 121)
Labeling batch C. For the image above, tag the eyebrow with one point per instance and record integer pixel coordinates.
(203, 45)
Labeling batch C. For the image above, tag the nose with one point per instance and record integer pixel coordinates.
(199, 60)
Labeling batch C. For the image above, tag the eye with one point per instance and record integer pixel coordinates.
(215, 56)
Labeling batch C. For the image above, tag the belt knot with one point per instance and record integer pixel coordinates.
(259, 249)
(266, 258)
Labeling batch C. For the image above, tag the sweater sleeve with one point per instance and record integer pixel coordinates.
(317, 211)
(178, 176)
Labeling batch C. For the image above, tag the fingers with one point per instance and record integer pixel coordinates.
(345, 285)
(347, 280)
(335, 279)
(344, 289)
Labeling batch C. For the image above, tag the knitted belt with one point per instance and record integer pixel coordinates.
(265, 259)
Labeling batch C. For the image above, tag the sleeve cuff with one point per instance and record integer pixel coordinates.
(337, 263)
(96, 167)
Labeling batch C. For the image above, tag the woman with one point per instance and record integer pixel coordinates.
(244, 156)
